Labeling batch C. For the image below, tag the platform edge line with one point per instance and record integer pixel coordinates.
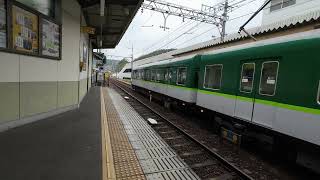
(108, 170)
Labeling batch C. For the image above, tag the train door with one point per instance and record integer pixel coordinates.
(264, 112)
(245, 94)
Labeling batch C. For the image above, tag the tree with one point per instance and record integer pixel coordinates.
(121, 64)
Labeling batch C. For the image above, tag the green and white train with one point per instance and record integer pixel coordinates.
(273, 85)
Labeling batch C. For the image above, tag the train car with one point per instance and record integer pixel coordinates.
(272, 87)
(268, 89)
(175, 78)
(125, 72)
(275, 86)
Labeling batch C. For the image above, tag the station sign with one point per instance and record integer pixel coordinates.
(89, 30)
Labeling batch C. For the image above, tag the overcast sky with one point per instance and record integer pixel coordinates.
(146, 36)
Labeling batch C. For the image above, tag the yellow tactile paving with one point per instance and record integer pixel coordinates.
(126, 164)
(108, 170)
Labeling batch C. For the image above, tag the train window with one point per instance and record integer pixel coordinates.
(182, 76)
(318, 97)
(148, 75)
(268, 79)
(213, 76)
(134, 75)
(127, 71)
(247, 77)
(166, 76)
(153, 75)
(160, 75)
(141, 74)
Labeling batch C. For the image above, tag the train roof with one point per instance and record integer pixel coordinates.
(277, 40)
(288, 38)
(165, 61)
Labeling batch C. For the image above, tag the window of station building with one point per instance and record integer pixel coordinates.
(247, 77)
(182, 76)
(213, 76)
(279, 4)
(46, 7)
(268, 79)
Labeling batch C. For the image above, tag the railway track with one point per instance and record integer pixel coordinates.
(202, 159)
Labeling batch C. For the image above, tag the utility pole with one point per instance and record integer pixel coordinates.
(224, 20)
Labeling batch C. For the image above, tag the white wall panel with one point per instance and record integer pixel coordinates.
(34, 69)
(9, 67)
(69, 65)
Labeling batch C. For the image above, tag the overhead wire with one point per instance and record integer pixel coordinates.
(204, 32)
(166, 36)
(245, 2)
(186, 24)
(148, 19)
(180, 35)
(228, 21)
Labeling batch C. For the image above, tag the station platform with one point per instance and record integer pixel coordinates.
(138, 151)
(104, 139)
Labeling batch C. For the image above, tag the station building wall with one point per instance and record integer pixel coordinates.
(299, 8)
(32, 88)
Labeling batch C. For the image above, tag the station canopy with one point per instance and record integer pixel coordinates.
(117, 18)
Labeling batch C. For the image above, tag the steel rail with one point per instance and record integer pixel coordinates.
(240, 173)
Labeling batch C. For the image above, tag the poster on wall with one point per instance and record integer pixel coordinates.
(24, 30)
(3, 26)
(85, 56)
(50, 39)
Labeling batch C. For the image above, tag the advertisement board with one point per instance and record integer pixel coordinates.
(24, 30)
(3, 25)
(85, 56)
(50, 39)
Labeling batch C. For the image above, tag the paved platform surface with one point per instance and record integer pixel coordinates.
(63, 147)
(137, 146)
(105, 139)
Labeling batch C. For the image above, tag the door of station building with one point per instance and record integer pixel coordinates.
(245, 94)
